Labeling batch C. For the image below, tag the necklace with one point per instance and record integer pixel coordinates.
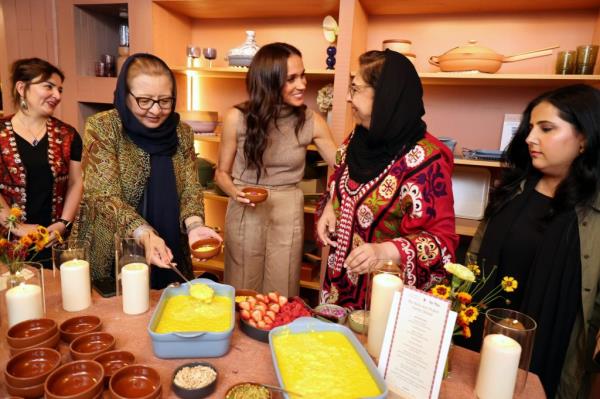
(36, 136)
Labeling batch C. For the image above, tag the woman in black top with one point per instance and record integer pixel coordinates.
(40, 164)
(543, 228)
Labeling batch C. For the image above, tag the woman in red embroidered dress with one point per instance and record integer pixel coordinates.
(40, 168)
(390, 196)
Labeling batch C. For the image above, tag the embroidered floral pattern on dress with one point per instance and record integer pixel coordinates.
(365, 216)
(411, 198)
(357, 241)
(415, 156)
(387, 188)
(427, 251)
(408, 256)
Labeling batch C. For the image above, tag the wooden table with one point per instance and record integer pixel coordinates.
(247, 359)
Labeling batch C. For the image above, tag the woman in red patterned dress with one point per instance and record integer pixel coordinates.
(390, 196)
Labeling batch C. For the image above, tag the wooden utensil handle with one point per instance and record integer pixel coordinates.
(530, 54)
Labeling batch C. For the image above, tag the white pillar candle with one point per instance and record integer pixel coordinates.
(75, 285)
(136, 288)
(498, 367)
(382, 293)
(24, 302)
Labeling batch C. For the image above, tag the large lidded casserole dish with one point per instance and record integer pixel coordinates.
(316, 372)
(195, 343)
(474, 57)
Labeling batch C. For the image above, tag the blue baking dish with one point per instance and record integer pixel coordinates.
(176, 345)
(307, 324)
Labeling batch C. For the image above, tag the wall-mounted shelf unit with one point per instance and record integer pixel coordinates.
(240, 73)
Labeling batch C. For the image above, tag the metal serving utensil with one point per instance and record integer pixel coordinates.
(279, 389)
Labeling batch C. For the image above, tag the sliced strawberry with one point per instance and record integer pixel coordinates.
(252, 300)
(261, 298)
(282, 300)
(268, 320)
(261, 306)
(252, 323)
(273, 296)
(245, 314)
(244, 305)
(261, 324)
(270, 314)
(274, 307)
(257, 315)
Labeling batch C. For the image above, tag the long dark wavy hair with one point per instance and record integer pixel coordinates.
(578, 105)
(264, 82)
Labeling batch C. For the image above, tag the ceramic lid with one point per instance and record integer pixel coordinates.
(472, 49)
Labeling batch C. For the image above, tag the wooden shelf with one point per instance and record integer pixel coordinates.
(93, 89)
(466, 227)
(478, 162)
(414, 7)
(240, 72)
(217, 264)
(503, 79)
(207, 9)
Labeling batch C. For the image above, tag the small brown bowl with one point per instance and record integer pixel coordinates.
(30, 332)
(114, 360)
(147, 383)
(51, 342)
(31, 367)
(33, 391)
(81, 379)
(90, 345)
(256, 195)
(77, 326)
(206, 248)
(241, 295)
(266, 393)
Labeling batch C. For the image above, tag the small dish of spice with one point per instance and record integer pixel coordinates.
(194, 380)
(248, 390)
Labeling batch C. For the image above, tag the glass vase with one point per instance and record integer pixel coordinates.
(385, 280)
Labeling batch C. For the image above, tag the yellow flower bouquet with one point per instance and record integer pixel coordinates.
(15, 251)
(464, 286)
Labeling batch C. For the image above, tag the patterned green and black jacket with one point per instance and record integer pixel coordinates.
(115, 172)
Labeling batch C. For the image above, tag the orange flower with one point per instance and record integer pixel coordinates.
(464, 297)
(509, 284)
(26, 241)
(441, 291)
(466, 331)
(461, 320)
(470, 314)
(16, 212)
(475, 269)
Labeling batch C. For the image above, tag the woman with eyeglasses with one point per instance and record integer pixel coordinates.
(264, 144)
(40, 170)
(390, 196)
(139, 175)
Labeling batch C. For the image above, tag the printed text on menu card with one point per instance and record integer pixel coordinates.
(416, 343)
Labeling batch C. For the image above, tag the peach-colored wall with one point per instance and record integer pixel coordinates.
(474, 115)
(27, 29)
(170, 34)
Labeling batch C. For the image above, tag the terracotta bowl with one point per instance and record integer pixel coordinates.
(194, 393)
(90, 345)
(30, 332)
(135, 381)
(206, 248)
(31, 367)
(34, 391)
(51, 342)
(234, 388)
(241, 295)
(79, 325)
(256, 195)
(81, 379)
(114, 360)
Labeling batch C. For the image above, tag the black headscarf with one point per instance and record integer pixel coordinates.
(160, 204)
(396, 124)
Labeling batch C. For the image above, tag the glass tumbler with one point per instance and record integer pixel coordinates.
(508, 337)
(565, 62)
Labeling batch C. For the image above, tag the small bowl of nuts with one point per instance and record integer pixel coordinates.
(194, 380)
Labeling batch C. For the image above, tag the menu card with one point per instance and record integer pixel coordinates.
(416, 344)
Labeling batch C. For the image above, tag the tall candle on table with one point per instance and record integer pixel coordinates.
(382, 293)
(498, 367)
(24, 302)
(136, 288)
(75, 285)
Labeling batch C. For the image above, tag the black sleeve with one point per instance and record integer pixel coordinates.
(76, 146)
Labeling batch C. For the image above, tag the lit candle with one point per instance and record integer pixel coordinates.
(24, 302)
(498, 367)
(136, 288)
(75, 285)
(382, 293)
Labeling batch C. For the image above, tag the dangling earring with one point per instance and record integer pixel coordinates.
(581, 149)
(23, 103)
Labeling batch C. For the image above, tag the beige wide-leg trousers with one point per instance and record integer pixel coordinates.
(263, 244)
